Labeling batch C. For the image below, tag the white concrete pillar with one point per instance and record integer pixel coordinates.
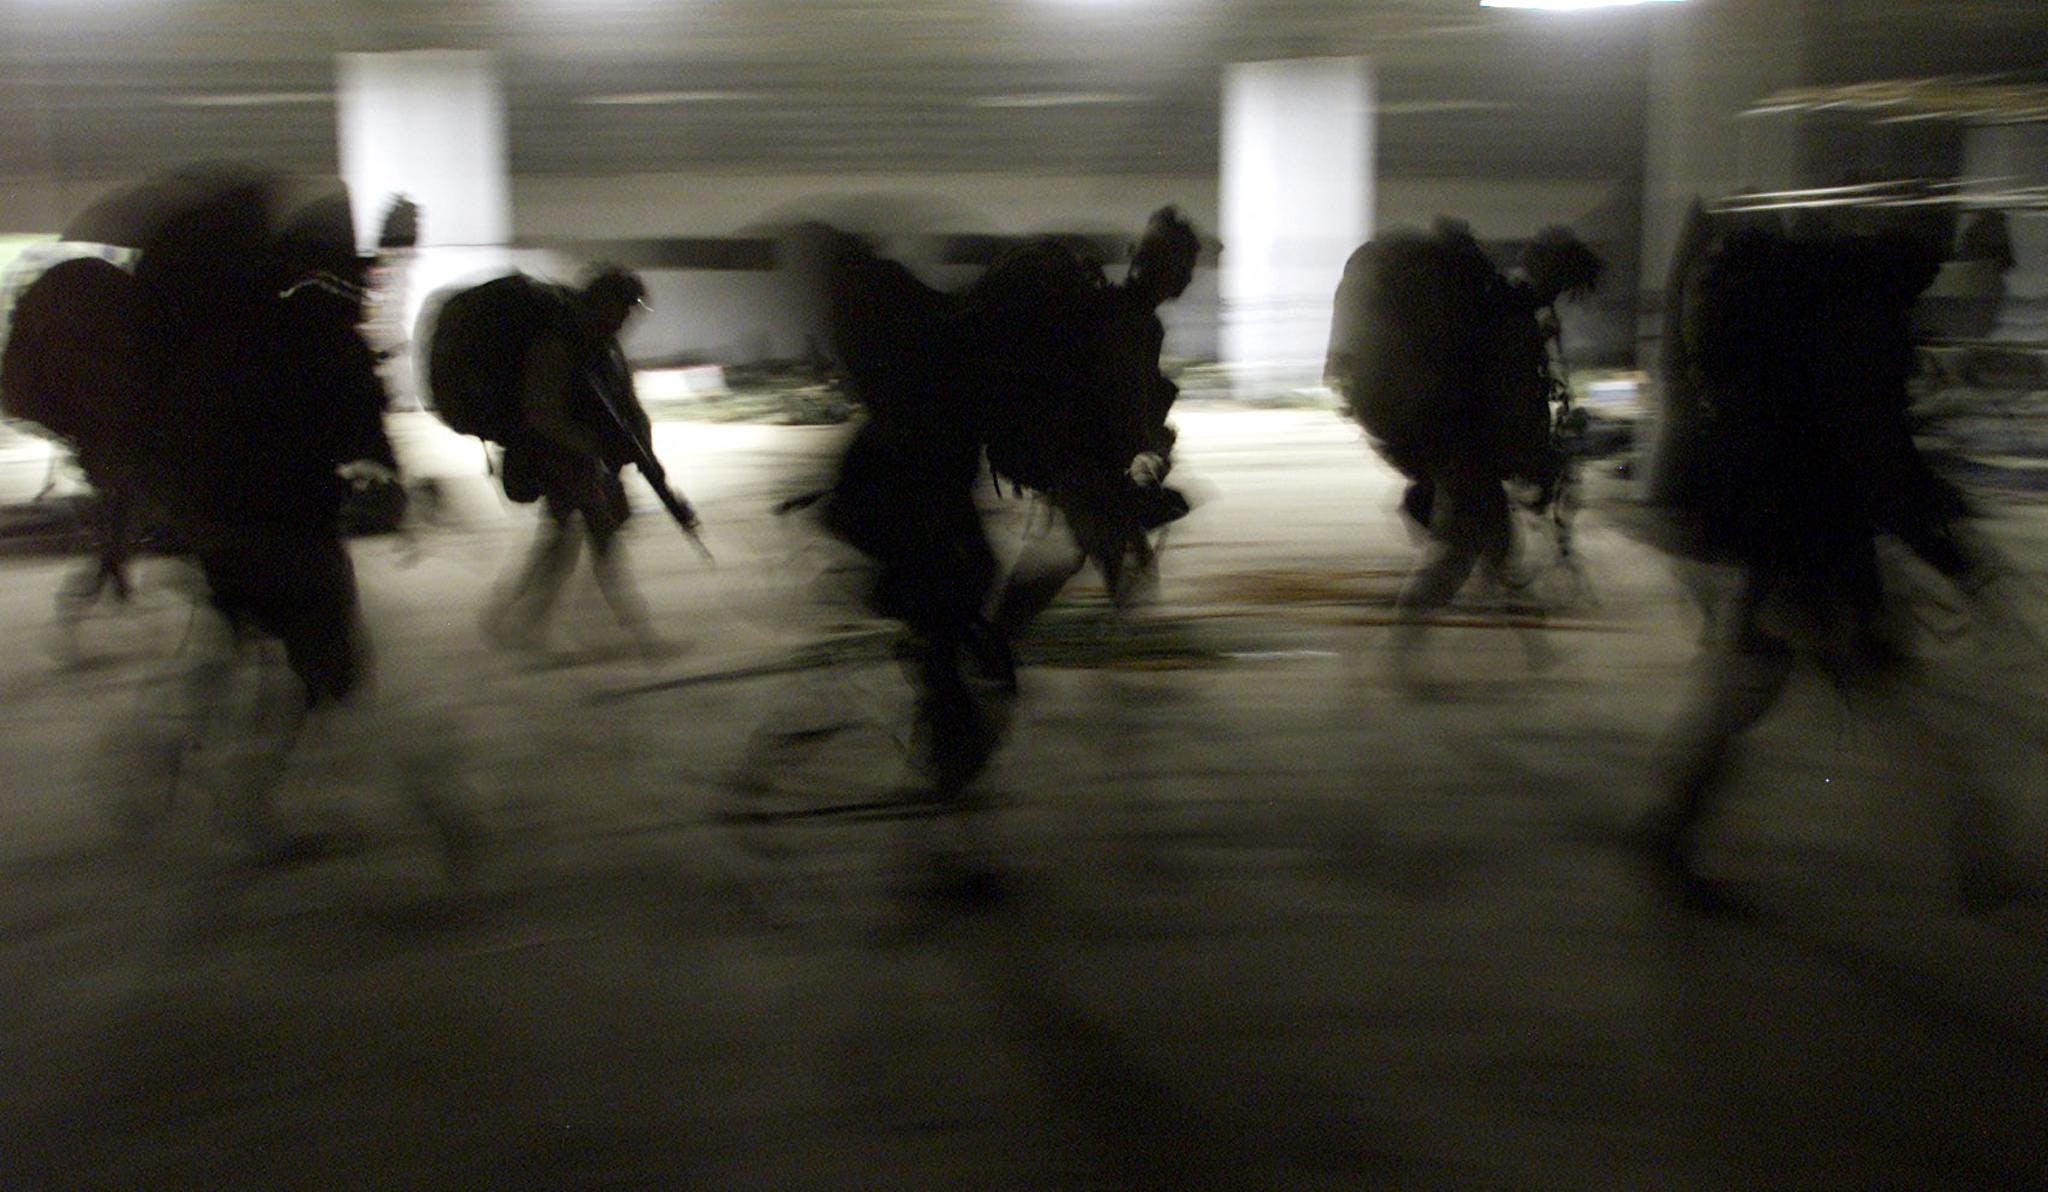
(2008, 157)
(1296, 199)
(1710, 61)
(428, 124)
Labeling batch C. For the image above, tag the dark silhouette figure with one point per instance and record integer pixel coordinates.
(73, 362)
(1445, 364)
(223, 386)
(1111, 493)
(1786, 455)
(1050, 373)
(1968, 295)
(398, 235)
(538, 369)
(254, 319)
(1985, 236)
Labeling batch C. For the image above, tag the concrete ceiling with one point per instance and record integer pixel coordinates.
(116, 88)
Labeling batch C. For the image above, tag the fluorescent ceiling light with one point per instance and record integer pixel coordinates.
(1438, 107)
(1570, 5)
(1432, 32)
(1901, 101)
(635, 99)
(249, 99)
(1053, 99)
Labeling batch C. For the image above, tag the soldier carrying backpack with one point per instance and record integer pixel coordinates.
(1109, 486)
(1786, 457)
(537, 369)
(1049, 373)
(1445, 364)
(222, 386)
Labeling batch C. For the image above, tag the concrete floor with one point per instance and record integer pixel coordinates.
(1270, 924)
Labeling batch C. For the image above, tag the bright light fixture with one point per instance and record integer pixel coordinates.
(649, 99)
(248, 99)
(1438, 107)
(1054, 99)
(1570, 5)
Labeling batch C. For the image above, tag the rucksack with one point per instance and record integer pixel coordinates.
(476, 341)
(1036, 323)
(221, 381)
(1433, 354)
(1790, 441)
(1011, 364)
(74, 360)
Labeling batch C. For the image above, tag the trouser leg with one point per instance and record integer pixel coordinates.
(1044, 567)
(1976, 827)
(615, 581)
(1745, 674)
(520, 614)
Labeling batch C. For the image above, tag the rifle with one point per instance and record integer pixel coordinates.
(1567, 431)
(650, 467)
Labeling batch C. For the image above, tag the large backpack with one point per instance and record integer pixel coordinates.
(74, 362)
(1789, 441)
(476, 340)
(1036, 323)
(1435, 358)
(1012, 364)
(222, 371)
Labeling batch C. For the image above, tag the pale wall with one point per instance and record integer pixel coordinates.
(42, 206)
(724, 204)
(719, 315)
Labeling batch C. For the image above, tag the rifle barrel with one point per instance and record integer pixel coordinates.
(650, 467)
